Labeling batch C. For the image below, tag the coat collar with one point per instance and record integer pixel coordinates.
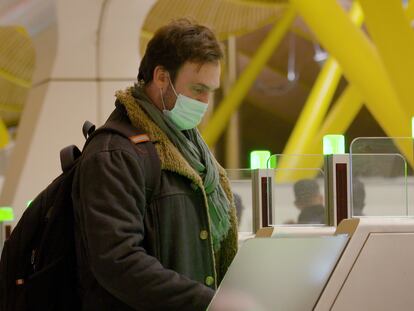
(170, 157)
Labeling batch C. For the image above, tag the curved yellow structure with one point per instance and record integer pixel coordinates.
(361, 65)
(395, 44)
(233, 99)
(17, 59)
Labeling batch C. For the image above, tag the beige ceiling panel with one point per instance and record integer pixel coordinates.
(226, 18)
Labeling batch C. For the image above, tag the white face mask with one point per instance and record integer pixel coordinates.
(187, 112)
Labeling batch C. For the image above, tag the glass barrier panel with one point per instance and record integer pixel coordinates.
(241, 185)
(295, 161)
(298, 189)
(382, 177)
(298, 198)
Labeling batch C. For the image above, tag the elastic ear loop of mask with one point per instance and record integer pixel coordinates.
(162, 99)
(172, 86)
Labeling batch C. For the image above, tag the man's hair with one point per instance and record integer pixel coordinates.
(176, 43)
(305, 190)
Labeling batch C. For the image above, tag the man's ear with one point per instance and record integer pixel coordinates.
(160, 77)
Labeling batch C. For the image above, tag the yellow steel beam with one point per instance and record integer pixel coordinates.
(4, 135)
(395, 43)
(360, 62)
(314, 109)
(236, 94)
(341, 115)
(302, 138)
(338, 120)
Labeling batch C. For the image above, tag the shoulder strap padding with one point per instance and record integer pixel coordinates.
(136, 136)
(88, 128)
(68, 156)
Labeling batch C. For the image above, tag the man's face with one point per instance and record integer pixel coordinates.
(197, 81)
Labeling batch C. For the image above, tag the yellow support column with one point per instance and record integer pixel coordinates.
(234, 98)
(395, 43)
(232, 147)
(360, 62)
(338, 120)
(341, 116)
(4, 135)
(302, 138)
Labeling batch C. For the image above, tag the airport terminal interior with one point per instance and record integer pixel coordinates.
(313, 123)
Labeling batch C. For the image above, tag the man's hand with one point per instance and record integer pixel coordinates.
(233, 300)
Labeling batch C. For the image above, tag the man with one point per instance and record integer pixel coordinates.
(170, 250)
(309, 201)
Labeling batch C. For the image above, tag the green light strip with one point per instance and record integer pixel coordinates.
(258, 159)
(6, 214)
(333, 144)
(272, 162)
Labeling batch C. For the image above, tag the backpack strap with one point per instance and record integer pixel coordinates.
(68, 156)
(136, 136)
(88, 128)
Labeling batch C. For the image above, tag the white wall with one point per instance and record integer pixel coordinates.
(89, 52)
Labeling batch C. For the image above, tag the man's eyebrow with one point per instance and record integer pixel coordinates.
(206, 87)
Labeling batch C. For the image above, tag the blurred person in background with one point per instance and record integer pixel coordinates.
(309, 201)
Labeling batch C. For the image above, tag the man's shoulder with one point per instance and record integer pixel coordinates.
(109, 140)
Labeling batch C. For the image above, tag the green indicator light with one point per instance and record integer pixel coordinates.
(333, 144)
(258, 159)
(6, 214)
(28, 203)
(272, 162)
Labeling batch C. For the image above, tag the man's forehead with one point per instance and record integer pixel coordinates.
(201, 75)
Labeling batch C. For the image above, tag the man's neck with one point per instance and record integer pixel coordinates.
(154, 94)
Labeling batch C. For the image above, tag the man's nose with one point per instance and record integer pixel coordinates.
(203, 98)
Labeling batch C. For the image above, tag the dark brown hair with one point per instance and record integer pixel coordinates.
(176, 43)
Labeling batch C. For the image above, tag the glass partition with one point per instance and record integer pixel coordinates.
(297, 196)
(241, 185)
(294, 193)
(382, 177)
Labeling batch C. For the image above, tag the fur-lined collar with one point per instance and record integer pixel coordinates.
(170, 157)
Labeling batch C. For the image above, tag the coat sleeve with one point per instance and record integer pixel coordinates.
(112, 195)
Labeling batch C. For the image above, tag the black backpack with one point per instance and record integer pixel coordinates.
(38, 261)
